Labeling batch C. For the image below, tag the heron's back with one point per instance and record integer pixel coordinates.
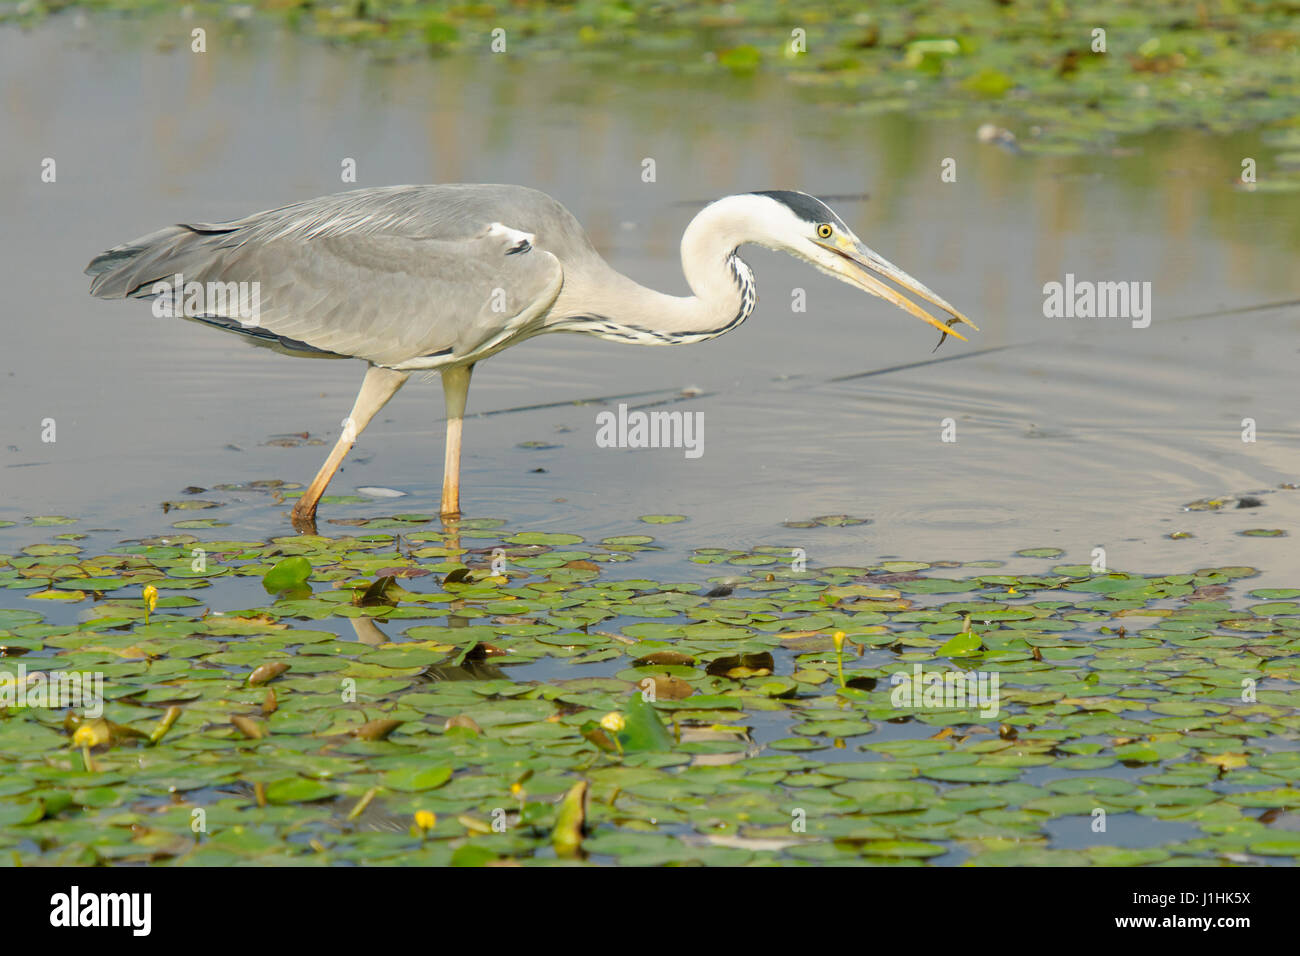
(389, 274)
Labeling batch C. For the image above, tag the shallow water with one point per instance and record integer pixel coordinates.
(1083, 433)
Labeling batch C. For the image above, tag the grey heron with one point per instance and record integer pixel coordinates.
(414, 278)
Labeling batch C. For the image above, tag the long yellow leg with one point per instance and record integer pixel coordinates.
(379, 385)
(455, 391)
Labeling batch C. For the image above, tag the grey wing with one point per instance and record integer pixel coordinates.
(401, 277)
(396, 301)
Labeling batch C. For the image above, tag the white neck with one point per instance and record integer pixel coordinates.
(614, 307)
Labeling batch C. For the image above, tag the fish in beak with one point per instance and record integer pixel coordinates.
(859, 266)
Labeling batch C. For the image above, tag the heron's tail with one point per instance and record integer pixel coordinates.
(132, 268)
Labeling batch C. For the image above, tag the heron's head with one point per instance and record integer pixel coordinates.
(808, 229)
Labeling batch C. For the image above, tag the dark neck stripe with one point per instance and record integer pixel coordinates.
(606, 327)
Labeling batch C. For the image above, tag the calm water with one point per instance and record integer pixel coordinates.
(1080, 433)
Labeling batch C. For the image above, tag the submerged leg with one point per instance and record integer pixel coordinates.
(379, 385)
(455, 389)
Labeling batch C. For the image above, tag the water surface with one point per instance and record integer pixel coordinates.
(1081, 433)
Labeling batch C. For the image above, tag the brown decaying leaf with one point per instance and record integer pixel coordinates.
(250, 728)
(267, 672)
(894, 577)
(377, 729)
(402, 572)
(739, 666)
(664, 658)
(595, 733)
(666, 687)
(169, 717)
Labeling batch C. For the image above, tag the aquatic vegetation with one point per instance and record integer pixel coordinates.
(477, 694)
(1042, 69)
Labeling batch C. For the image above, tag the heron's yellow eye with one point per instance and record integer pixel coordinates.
(824, 230)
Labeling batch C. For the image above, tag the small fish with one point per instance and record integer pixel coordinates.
(944, 335)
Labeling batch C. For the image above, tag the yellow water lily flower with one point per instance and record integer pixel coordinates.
(613, 722)
(426, 820)
(150, 595)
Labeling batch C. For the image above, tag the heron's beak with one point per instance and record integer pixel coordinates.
(860, 267)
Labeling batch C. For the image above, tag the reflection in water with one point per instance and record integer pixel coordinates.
(368, 631)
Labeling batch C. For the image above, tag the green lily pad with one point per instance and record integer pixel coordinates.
(288, 573)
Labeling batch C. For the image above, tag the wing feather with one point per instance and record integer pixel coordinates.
(400, 276)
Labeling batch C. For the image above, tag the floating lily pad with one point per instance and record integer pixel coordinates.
(291, 572)
(827, 521)
(542, 537)
(400, 685)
